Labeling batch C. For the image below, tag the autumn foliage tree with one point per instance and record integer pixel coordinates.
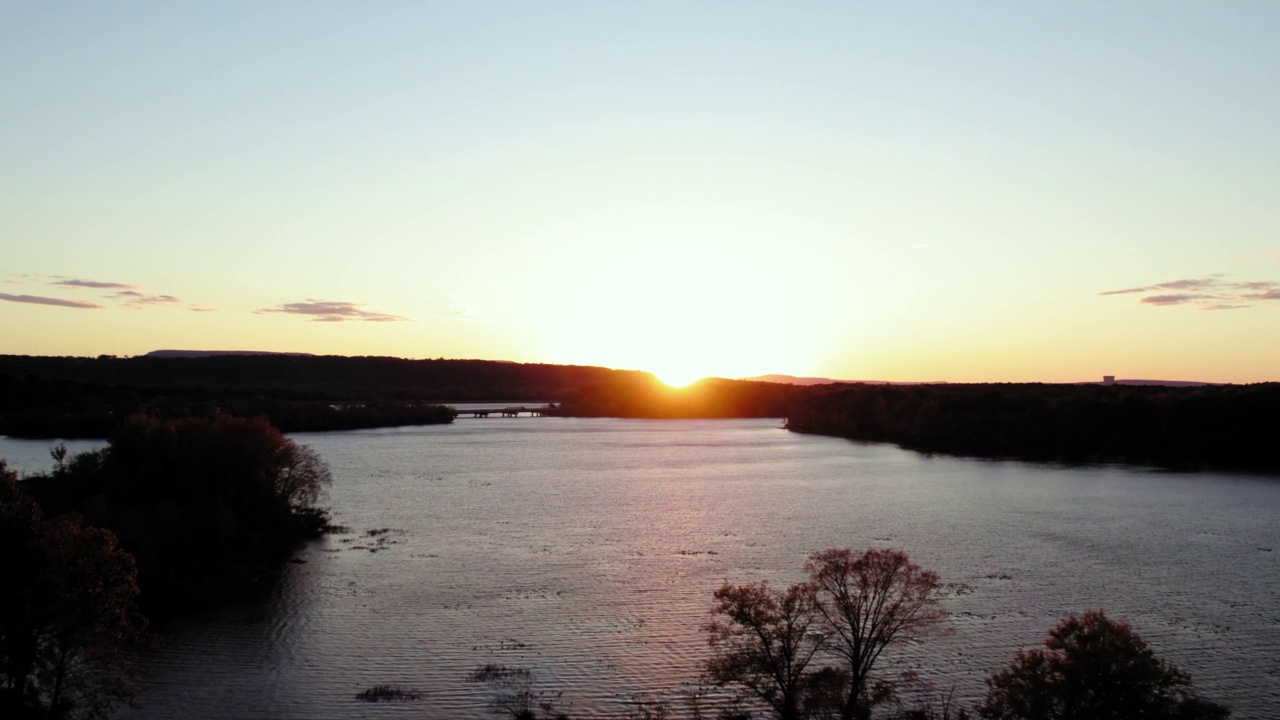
(68, 613)
(812, 650)
(203, 504)
(1093, 668)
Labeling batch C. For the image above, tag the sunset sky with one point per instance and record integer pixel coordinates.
(963, 191)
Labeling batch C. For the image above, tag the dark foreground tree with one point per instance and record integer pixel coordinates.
(869, 602)
(203, 504)
(810, 652)
(1093, 668)
(763, 640)
(68, 614)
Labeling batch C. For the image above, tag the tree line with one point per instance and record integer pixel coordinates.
(72, 397)
(305, 377)
(1220, 427)
(170, 514)
(644, 396)
(85, 413)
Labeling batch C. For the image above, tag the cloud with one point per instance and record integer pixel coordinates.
(95, 284)
(122, 294)
(461, 311)
(140, 300)
(1173, 299)
(201, 308)
(1126, 291)
(332, 311)
(1215, 292)
(135, 299)
(59, 302)
(1187, 284)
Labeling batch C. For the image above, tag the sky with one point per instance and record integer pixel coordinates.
(961, 191)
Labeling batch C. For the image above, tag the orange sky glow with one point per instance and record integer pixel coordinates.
(923, 192)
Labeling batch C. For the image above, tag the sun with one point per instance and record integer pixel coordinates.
(679, 378)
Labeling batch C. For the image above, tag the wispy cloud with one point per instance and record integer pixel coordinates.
(1214, 292)
(202, 308)
(459, 311)
(94, 284)
(135, 299)
(1187, 284)
(332, 311)
(58, 302)
(110, 293)
(1181, 299)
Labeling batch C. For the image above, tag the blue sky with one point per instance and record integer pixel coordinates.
(899, 191)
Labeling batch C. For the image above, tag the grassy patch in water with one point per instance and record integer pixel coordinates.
(388, 693)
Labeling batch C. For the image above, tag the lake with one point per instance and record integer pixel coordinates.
(586, 551)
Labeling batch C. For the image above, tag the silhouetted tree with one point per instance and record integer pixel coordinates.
(1230, 426)
(764, 640)
(203, 504)
(1093, 668)
(850, 610)
(869, 602)
(68, 613)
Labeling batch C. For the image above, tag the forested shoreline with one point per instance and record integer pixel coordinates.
(1209, 427)
(1230, 427)
(205, 505)
(68, 397)
(76, 397)
(170, 515)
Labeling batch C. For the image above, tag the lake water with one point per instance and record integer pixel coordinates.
(586, 551)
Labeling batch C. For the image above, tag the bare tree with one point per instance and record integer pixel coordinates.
(850, 610)
(297, 474)
(867, 603)
(763, 640)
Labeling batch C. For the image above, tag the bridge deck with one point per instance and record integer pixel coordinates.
(511, 411)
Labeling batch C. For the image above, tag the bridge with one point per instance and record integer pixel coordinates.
(543, 411)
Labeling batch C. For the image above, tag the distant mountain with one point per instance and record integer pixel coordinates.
(793, 380)
(212, 353)
(1166, 383)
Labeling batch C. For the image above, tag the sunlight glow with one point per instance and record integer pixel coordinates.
(686, 308)
(678, 379)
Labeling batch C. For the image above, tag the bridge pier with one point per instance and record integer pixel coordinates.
(544, 411)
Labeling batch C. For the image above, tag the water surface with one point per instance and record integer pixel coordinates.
(586, 550)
